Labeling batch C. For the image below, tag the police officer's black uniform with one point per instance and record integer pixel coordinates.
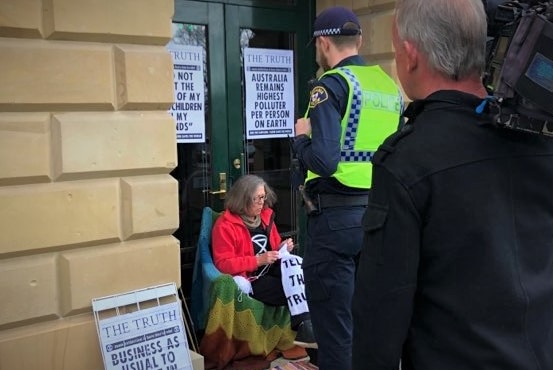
(334, 232)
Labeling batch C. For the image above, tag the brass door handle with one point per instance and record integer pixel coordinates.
(222, 186)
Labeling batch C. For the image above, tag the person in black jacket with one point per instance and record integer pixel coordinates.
(456, 270)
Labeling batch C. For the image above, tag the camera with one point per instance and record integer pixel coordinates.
(519, 64)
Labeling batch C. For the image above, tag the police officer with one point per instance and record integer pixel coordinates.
(456, 270)
(352, 109)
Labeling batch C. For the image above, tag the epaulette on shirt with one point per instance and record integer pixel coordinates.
(389, 145)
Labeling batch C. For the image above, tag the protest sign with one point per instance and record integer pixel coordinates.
(293, 283)
(144, 339)
(269, 82)
(188, 109)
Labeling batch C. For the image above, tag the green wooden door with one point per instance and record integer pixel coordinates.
(223, 28)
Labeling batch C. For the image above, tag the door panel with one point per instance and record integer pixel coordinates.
(269, 158)
(193, 25)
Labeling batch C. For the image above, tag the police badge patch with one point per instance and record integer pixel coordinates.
(318, 95)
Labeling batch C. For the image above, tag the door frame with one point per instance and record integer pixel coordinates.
(211, 13)
(238, 17)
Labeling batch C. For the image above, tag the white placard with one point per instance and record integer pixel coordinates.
(149, 338)
(269, 80)
(188, 78)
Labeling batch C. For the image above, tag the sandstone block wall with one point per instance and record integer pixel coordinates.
(376, 21)
(87, 205)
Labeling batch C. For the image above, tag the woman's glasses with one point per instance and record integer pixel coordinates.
(259, 198)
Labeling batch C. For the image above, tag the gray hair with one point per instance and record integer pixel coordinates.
(450, 33)
(240, 196)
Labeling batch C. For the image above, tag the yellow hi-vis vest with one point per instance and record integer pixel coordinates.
(374, 107)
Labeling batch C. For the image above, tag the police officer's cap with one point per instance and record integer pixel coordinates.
(332, 22)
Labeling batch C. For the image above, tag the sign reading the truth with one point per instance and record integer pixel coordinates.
(148, 338)
(269, 81)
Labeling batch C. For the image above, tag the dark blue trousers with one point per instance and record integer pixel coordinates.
(333, 243)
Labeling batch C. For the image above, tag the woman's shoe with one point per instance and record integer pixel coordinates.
(294, 353)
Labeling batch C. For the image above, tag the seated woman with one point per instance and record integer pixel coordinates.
(246, 242)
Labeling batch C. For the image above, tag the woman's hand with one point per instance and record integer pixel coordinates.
(267, 258)
(289, 244)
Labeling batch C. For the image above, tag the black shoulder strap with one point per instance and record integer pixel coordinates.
(270, 225)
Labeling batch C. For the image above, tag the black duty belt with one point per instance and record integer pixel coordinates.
(337, 200)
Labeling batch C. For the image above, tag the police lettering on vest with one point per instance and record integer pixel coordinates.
(373, 112)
